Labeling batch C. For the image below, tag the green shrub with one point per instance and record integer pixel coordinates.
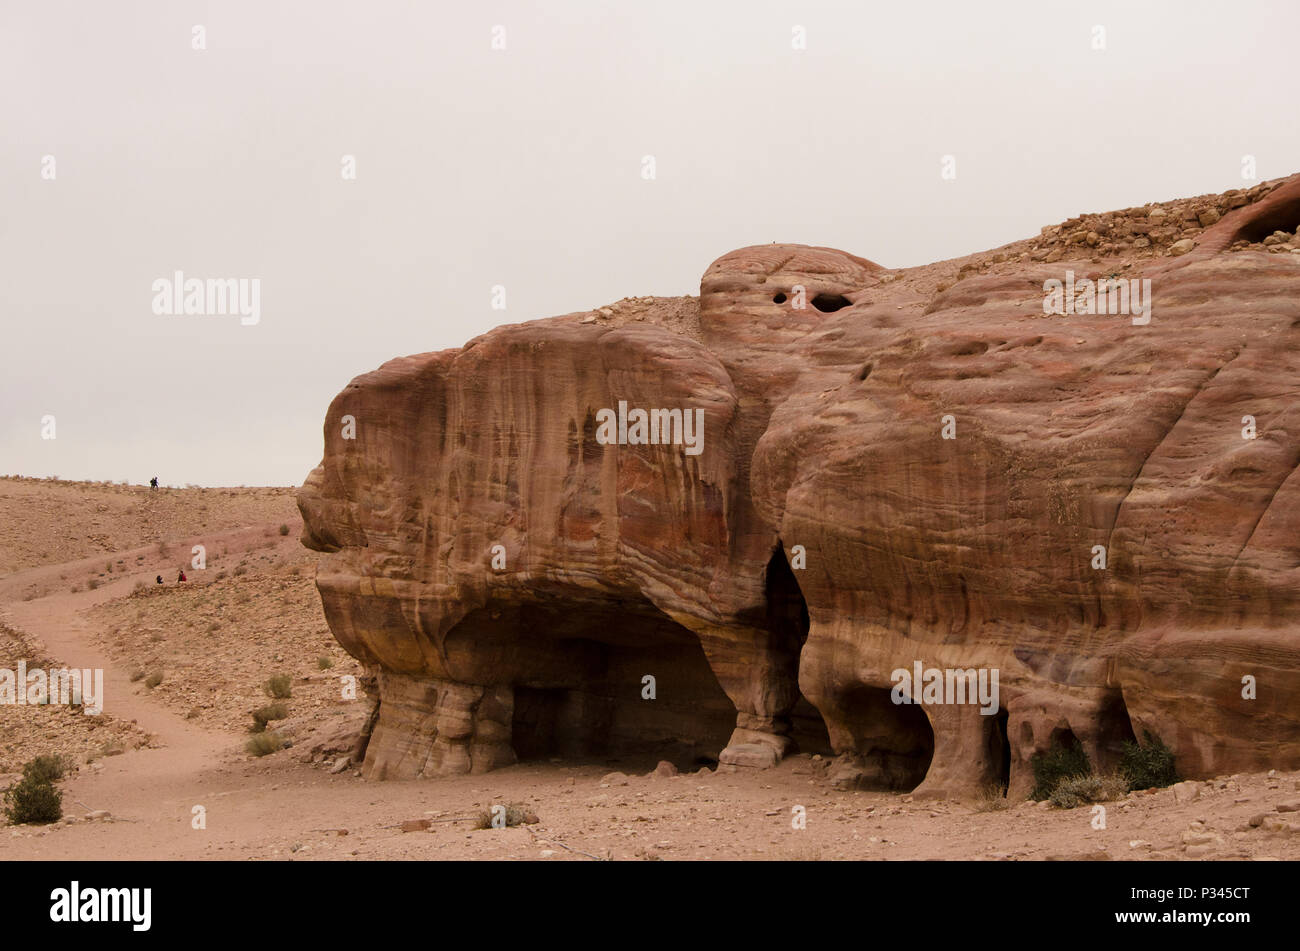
(1147, 765)
(264, 715)
(33, 800)
(45, 769)
(278, 687)
(264, 743)
(1060, 762)
(284, 529)
(324, 663)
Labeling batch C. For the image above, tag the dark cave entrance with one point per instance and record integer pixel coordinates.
(579, 666)
(788, 622)
(1114, 729)
(1063, 738)
(999, 748)
(894, 741)
(829, 303)
(1284, 217)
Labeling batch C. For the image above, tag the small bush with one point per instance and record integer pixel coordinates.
(279, 687)
(264, 715)
(284, 529)
(264, 743)
(1058, 763)
(1075, 791)
(33, 801)
(516, 814)
(1147, 765)
(324, 663)
(45, 769)
(153, 679)
(92, 584)
(992, 798)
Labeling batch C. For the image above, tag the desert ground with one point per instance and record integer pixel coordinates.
(185, 665)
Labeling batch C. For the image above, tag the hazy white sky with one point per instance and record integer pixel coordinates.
(523, 167)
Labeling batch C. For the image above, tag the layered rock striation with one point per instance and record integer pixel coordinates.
(895, 468)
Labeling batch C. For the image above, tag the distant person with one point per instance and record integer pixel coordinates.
(181, 576)
(160, 579)
(153, 483)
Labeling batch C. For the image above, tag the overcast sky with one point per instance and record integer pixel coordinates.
(523, 167)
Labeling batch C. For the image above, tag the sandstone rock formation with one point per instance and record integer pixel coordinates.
(520, 587)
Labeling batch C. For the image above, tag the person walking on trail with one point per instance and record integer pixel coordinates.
(181, 576)
(153, 483)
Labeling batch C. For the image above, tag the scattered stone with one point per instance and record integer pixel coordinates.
(755, 755)
(614, 779)
(665, 769)
(1291, 806)
(416, 825)
(1186, 791)
(1181, 247)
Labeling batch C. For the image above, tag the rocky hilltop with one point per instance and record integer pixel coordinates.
(914, 469)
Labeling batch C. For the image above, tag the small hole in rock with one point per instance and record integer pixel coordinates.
(864, 372)
(778, 299)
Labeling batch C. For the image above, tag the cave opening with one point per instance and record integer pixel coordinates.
(613, 682)
(999, 748)
(1283, 217)
(1114, 729)
(894, 741)
(788, 622)
(1063, 738)
(829, 303)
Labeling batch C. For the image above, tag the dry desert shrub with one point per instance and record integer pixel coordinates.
(516, 814)
(1082, 790)
(992, 798)
(263, 743)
